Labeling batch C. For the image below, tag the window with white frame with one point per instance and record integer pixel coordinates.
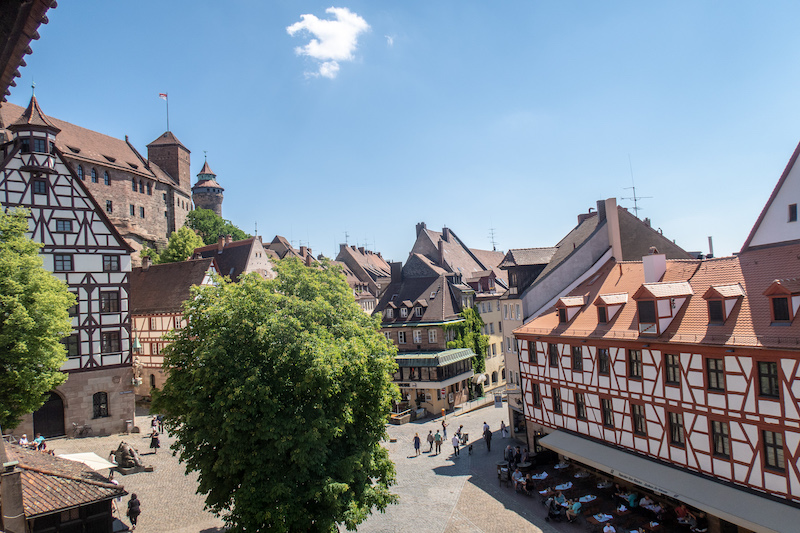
(432, 336)
(417, 336)
(403, 312)
(401, 337)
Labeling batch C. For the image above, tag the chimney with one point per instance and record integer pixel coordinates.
(228, 239)
(397, 271)
(13, 516)
(361, 249)
(420, 227)
(655, 264)
(601, 211)
(441, 254)
(446, 234)
(342, 248)
(585, 216)
(610, 214)
(303, 252)
(146, 263)
(220, 243)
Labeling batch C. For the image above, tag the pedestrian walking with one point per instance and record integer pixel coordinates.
(485, 426)
(154, 423)
(444, 428)
(487, 436)
(416, 444)
(160, 424)
(155, 443)
(455, 442)
(503, 429)
(437, 440)
(430, 441)
(134, 510)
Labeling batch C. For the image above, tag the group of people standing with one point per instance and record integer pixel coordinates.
(458, 440)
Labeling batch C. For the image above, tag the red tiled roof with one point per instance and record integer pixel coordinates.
(612, 299)
(748, 324)
(206, 170)
(167, 138)
(664, 290)
(164, 288)
(570, 301)
(724, 291)
(207, 183)
(50, 484)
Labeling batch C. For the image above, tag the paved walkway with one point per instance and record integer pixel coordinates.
(438, 493)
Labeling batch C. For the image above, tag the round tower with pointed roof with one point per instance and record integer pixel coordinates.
(206, 193)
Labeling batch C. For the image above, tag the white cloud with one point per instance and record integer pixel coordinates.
(332, 40)
(389, 40)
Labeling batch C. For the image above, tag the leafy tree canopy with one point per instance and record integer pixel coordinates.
(210, 226)
(34, 318)
(468, 335)
(180, 247)
(278, 394)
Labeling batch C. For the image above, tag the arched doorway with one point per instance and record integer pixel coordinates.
(49, 419)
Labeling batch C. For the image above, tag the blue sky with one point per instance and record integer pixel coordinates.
(514, 116)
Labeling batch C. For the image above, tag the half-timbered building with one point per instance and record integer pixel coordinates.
(157, 296)
(689, 370)
(84, 249)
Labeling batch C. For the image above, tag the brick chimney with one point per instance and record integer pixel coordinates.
(13, 519)
(146, 263)
(361, 249)
(446, 234)
(397, 271)
(611, 214)
(228, 239)
(441, 254)
(220, 243)
(420, 227)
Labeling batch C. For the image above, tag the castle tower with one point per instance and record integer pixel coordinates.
(206, 193)
(172, 156)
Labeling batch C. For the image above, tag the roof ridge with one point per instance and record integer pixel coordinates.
(70, 477)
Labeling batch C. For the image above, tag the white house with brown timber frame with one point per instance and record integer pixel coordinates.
(83, 248)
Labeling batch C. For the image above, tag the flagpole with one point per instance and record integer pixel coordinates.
(167, 100)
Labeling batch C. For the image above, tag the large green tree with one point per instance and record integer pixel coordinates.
(468, 335)
(180, 247)
(34, 317)
(278, 394)
(210, 226)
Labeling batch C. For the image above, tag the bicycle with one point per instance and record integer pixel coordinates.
(81, 431)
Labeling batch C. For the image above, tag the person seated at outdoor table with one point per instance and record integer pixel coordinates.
(701, 524)
(560, 499)
(39, 443)
(632, 500)
(517, 477)
(23, 441)
(684, 516)
(574, 510)
(529, 483)
(609, 528)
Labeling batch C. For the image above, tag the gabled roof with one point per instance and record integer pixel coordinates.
(617, 298)
(441, 305)
(19, 24)
(570, 301)
(784, 286)
(51, 484)
(734, 290)
(232, 261)
(771, 200)
(664, 290)
(163, 288)
(206, 170)
(528, 257)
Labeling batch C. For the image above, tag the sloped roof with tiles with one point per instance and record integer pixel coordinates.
(89, 146)
(51, 484)
(234, 257)
(439, 305)
(749, 322)
(163, 288)
(528, 257)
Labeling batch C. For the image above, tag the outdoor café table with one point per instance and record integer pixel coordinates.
(559, 466)
(524, 466)
(564, 486)
(605, 484)
(582, 474)
(539, 477)
(622, 511)
(546, 492)
(588, 498)
(599, 518)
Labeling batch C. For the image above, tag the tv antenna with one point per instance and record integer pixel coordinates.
(634, 197)
(491, 239)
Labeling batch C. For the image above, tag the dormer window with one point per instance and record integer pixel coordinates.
(40, 146)
(608, 305)
(568, 307)
(602, 317)
(784, 296)
(403, 312)
(25, 146)
(721, 300)
(658, 304)
(418, 311)
(389, 313)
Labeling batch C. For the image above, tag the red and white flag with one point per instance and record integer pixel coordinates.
(163, 96)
